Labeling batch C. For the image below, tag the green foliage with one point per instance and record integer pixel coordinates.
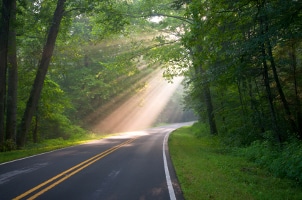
(105, 47)
(75, 78)
(79, 136)
(284, 161)
(200, 129)
(208, 170)
(8, 145)
(51, 116)
(230, 42)
(95, 74)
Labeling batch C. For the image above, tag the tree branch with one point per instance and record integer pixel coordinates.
(161, 15)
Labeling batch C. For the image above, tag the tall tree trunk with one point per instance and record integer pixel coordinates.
(210, 109)
(11, 112)
(262, 34)
(293, 58)
(199, 71)
(35, 131)
(4, 32)
(41, 73)
(268, 88)
(258, 115)
(241, 89)
(269, 96)
(276, 77)
(280, 90)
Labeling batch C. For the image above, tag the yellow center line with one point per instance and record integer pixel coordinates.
(68, 173)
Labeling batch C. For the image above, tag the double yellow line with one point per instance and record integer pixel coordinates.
(49, 184)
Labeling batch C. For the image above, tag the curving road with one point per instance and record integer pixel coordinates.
(130, 166)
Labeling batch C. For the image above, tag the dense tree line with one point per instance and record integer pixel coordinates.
(246, 66)
(12, 15)
(51, 75)
(244, 80)
(241, 61)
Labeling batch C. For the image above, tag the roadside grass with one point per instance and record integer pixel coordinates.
(207, 170)
(49, 145)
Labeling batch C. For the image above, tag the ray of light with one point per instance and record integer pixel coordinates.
(140, 111)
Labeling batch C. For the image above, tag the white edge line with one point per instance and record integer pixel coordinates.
(59, 149)
(169, 182)
(36, 155)
(64, 148)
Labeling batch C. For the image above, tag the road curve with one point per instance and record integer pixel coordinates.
(132, 165)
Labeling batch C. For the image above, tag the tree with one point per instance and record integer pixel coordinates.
(11, 111)
(200, 81)
(4, 35)
(239, 41)
(80, 10)
(41, 73)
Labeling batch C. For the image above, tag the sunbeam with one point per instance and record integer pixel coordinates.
(140, 111)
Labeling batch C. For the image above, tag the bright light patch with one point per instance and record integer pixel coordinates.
(132, 134)
(156, 19)
(140, 111)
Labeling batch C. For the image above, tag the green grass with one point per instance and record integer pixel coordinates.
(207, 170)
(48, 145)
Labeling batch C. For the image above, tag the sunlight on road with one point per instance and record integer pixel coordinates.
(132, 134)
(140, 111)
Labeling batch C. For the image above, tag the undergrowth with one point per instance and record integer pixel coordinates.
(207, 169)
(282, 161)
(49, 145)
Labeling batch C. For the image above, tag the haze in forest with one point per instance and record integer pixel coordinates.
(67, 68)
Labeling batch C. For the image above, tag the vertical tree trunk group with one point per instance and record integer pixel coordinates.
(41, 73)
(4, 36)
(267, 54)
(242, 42)
(9, 73)
(11, 116)
(205, 87)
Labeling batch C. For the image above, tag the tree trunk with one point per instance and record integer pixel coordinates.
(258, 118)
(11, 112)
(280, 90)
(35, 131)
(269, 95)
(41, 73)
(262, 32)
(4, 32)
(210, 109)
(297, 98)
(242, 102)
(199, 71)
(276, 77)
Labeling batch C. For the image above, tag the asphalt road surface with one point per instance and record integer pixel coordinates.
(129, 166)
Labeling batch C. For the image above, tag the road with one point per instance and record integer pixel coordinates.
(128, 166)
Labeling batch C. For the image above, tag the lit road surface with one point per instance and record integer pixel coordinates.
(130, 166)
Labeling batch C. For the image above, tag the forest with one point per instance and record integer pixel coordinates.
(241, 62)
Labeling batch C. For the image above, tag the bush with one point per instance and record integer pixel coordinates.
(290, 161)
(200, 129)
(240, 136)
(8, 145)
(282, 161)
(58, 126)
